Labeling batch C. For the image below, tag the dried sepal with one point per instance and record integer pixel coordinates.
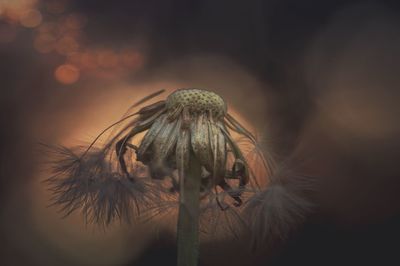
(200, 142)
(218, 151)
(143, 152)
(182, 159)
(166, 140)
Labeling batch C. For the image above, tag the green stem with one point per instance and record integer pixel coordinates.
(188, 219)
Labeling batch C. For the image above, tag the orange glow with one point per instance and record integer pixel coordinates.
(13, 10)
(67, 74)
(31, 18)
(62, 32)
(12, 16)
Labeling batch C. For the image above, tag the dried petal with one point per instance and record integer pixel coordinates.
(161, 149)
(182, 158)
(183, 150)
(201, 143)
(218, 148)
(150, 136)
(166, 140)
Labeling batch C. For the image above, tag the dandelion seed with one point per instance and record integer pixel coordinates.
(279, 209)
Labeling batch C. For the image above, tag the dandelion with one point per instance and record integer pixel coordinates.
(188, 144)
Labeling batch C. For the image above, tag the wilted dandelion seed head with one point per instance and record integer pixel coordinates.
(103, 180)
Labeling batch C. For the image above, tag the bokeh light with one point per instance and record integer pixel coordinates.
(67, 74)
(60, 32)
(31, 18)
(13, 10)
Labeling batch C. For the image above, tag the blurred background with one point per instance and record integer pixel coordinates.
(318, 79)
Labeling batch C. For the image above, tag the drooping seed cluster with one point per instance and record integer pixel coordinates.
(197, 101)
(189, 123)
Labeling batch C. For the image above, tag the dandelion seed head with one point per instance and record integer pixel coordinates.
(103, 181)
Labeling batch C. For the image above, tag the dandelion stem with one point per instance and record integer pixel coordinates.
(188, 219)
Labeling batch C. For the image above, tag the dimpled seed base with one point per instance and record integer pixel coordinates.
(197, 101)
